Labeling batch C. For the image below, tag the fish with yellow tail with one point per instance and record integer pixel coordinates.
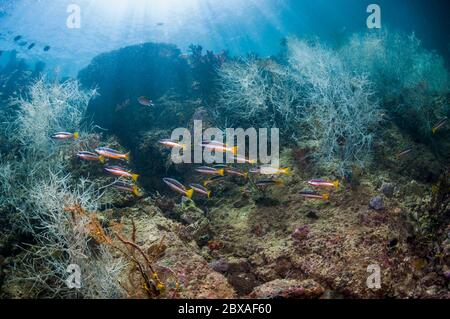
(404, 153)
(63, 136)
(120, 172)
(126, 187)
(210, 171)
(244, 160)
(200, 189)
(112, 154)
(439, 125)
(270, 170)
(172, 144)
(176, 186)
(219, 147)
(89, 156)
(310, 194)
(235, 172)
(323, 183)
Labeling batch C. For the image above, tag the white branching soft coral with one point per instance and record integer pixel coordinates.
(37, 189)
(330, 99)
(395, 61)
(62, 239)
(341, 110)
(49, 108)
(258, 93)
(407, 77)
(315, 97)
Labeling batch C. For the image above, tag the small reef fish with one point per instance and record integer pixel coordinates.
(212, 180)
(230, 170)
(214, 142)
(269, 170)
(314, 195)
(113, 154)
(235, 172)
(65, 136)
(404, 152)
(32, 45)
(219, 147)
(210, 171)
(47, 48)
(145, 101)
(323, 183)
(178, 187)
(172, 144)
(127, 188)
(88, 156)
(120, 172)
(23, 43)
(439, 125)
(17, 38)
(269, 182)
(200, 189)
(242, 160)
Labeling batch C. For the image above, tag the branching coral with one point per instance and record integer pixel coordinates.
(408, 78)
(259, 94)
(36, 188)
(313, 98)
(330, 99)
(341, 107)
(111, 238)
(50, 108)
(61, 240)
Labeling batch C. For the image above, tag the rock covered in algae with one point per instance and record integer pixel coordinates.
(376, 203)
(197, 279)
(387, 189)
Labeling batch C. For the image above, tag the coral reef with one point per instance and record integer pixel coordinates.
(343, 113)
(412, 82)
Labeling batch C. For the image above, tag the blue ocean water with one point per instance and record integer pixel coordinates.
(235, 25)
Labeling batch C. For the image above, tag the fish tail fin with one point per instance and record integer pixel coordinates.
(252, 161)
(135, 177)
(209, 194)
(184, 147)
(287, 171)
(434, 130)
(205, 183)
(336, 184)
(246, 175)
(127, 157)
(221, 172)
(101, 159)
(234, 150)
(326, 196)
(136, 191)
(190, 193)
(76, 135)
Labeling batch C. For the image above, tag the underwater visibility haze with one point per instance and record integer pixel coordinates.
(190, 149)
